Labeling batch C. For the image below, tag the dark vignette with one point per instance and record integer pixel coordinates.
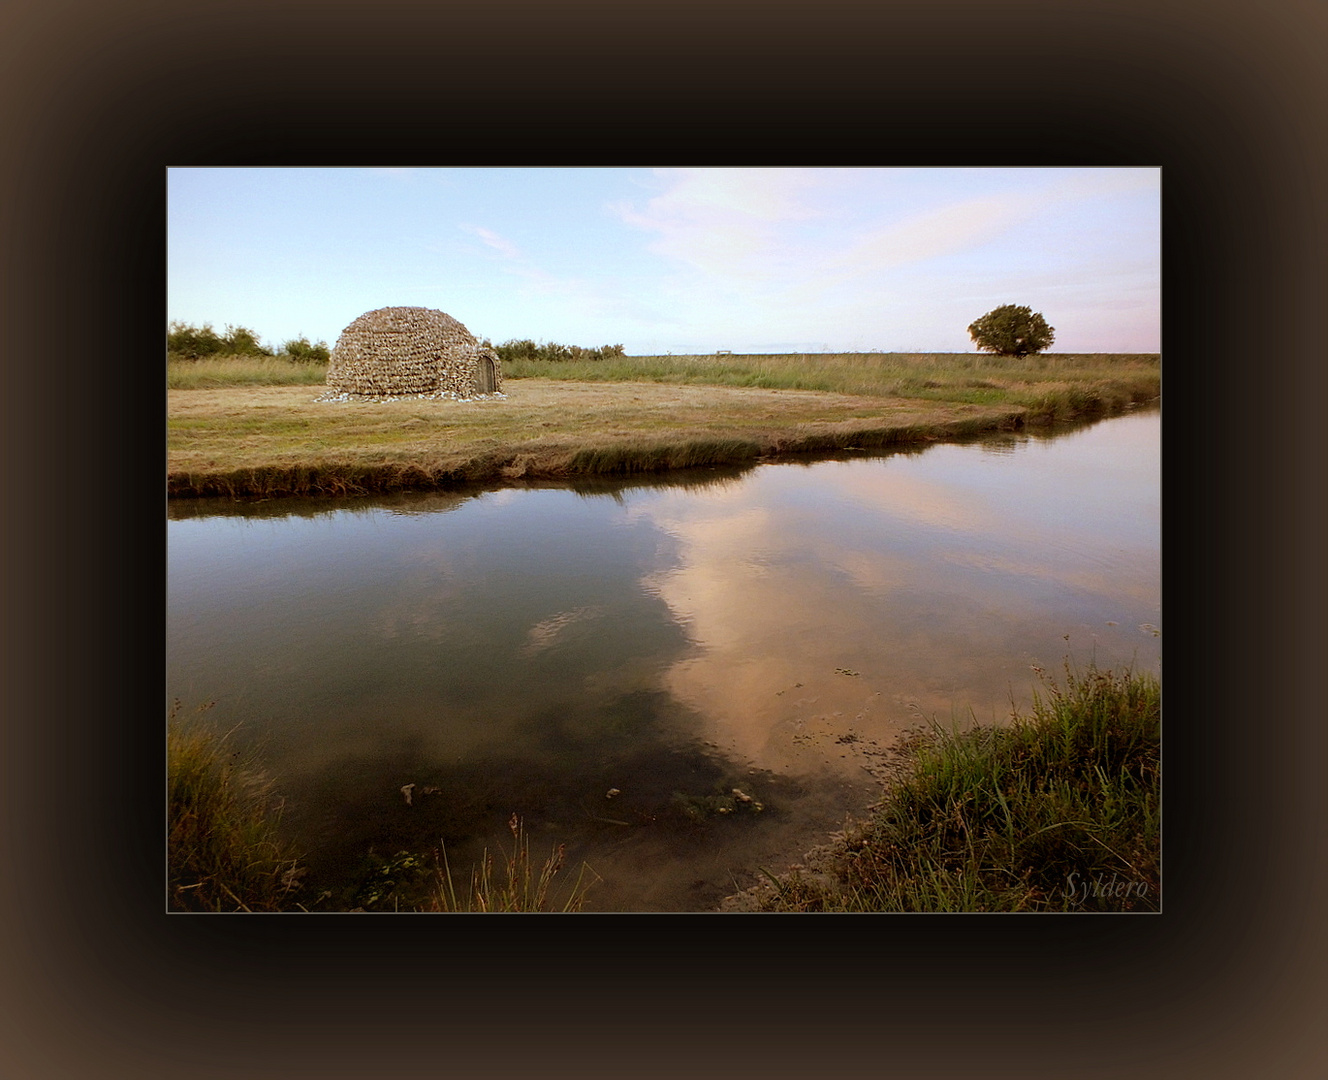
(99, 100)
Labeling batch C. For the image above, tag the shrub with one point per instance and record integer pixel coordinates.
(193, 343)
(301, 350)
(551, 352)
(523, 349)
(241, 341)
(1012, 330)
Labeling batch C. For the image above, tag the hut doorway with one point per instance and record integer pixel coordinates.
(486, 378)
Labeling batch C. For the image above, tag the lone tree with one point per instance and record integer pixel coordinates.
(1012, 331)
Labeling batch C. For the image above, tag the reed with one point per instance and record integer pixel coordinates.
(518, 887)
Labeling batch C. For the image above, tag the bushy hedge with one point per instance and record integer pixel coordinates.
(194, 342)
(300, 349)
(187, 342)
(525, 349)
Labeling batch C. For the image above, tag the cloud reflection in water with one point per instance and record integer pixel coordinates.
(936, 579)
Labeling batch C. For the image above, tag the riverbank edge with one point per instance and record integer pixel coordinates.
(526, 462)
(1086, 760)
(1095, 712)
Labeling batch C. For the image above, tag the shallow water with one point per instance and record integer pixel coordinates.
(773, 630)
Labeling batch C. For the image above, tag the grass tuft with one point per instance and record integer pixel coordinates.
(519, 887)
(224, 852)
(635, 458)
(1058, 812)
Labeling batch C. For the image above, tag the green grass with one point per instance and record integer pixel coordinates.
(182, 374)
(637, 457)
(243, 427)
(224, 851)
(1033, 381)
(1060, 811)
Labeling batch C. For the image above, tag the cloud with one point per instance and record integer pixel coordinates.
(796, 251)
(729, 223)
(786, 236)
(522, 266)
(704, 195)
(586, 298)
(932, 234)
(499, 243)
(1104, 183)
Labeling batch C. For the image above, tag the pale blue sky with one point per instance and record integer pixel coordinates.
(674, 260)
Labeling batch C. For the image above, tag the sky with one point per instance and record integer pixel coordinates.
(673, 260)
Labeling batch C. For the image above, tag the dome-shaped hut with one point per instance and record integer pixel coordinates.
(411, 351)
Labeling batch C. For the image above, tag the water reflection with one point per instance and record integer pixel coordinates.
(668, 638)
(426, 502)
(867, 597)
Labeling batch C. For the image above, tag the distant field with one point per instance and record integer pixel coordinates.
(967, 377)
(626, 414)
(216, 371)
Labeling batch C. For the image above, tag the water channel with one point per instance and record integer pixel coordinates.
(611, 660)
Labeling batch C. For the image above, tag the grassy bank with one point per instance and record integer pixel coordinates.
(630, 414)
(224, 852)
(1058, 812)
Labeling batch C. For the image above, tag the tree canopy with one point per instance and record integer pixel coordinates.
(193, 342)
(1012, 330)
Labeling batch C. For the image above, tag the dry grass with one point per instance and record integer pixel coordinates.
(950, 376)
(236, 440)
(627, 414)
(224, 849)
(518, 887)
(217, 371)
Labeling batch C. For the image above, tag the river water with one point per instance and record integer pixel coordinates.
(610, 661)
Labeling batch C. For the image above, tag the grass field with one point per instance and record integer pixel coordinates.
(967, 377)
(236, 428)
(216, 371)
